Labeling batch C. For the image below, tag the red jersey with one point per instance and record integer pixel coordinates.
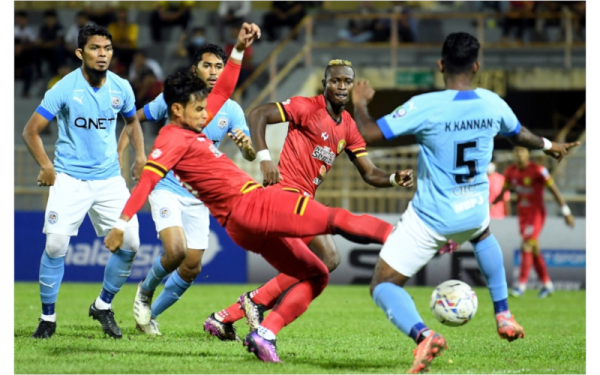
(313, 142)
(529, 184)
(497, 211)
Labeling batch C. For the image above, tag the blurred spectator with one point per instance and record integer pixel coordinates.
(189, 42)
(247, 67)
(360, 30)
(231, 13)
(169, 13)
(100, 12)
(147, 88)
(140, 66)
(496, 183)
(516, 18)
(578, 8)
(407, 25)
(62, 71)
(118, 67)
(81, 19)
(282, 13)
(24, 50)
(124, 36)
(542, 24)
(50, 43)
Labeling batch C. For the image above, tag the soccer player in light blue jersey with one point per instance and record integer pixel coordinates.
(85, 176)
(182, 221)
(455, 130)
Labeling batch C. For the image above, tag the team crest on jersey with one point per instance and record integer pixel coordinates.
(223, 122)
(156, 153)
(115, 102)
(165, 212)
(400, 112)
(324, 154)
(341, 146)
(215, 151)
(52, 217)
(527, 181)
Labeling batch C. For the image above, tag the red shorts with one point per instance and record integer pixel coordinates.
(531, 225)
(271, 213)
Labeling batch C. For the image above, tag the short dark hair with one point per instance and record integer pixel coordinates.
(338, 62)
(50, 13)
(82, 13)
(90, 30)
(209, 48)
(460, 52)
(21, 13)
(178, 87)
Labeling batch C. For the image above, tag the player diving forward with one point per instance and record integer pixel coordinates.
(182, 221)
(85, 176)
(268, 221)
(320, 129)
(455, 130)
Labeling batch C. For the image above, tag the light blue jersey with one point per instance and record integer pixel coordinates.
(455, 131)
(229, 117)
(87, 146)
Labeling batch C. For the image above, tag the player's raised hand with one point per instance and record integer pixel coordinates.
(559, 150)
(405, 178)
(570, 220)
(47, 176)
(270, 172)
(248, 33)
(114, 239)
(240, 139)
(362, 92)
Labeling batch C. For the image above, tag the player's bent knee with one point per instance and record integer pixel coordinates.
(189, 273)
(57, 245)
(131, 239)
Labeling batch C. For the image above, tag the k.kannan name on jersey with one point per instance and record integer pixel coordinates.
(470, 125)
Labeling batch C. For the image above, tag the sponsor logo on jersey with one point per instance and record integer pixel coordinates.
(89, 123)
(322, 173)
(52, 217)
(156, 153)
(324, 135)
(324, 154)
(341, 146)
(115, 102)
(78, 99)
(215, 151)
(223, 122)
(469, 203)
(527, 181)
(165, 212)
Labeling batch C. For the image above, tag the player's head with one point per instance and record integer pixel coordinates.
(521, 155)
(338, 82)
(21, 17)
(459, 55)
(185, 95)
(209, 61)
(94, 48)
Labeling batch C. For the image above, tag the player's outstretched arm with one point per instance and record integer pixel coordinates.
(566, 211)
(133, 129)
(244, 143)
(368, 128)
(500, 196)
(258, 119)
(527, 139)
(33, 141)
(379, 178)
(124, 139)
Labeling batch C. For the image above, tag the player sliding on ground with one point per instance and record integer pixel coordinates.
(182, 221)
(455, 130)
(320, 129)
(267, 221)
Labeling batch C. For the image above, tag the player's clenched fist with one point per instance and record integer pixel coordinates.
(248, 33)
(405, 178)
(270, 172)
(559, 150)
(362, 93)
(114, 239)
(46, 176)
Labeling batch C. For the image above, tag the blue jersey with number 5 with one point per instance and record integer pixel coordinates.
(455, 131)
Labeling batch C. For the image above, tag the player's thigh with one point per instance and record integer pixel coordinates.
(69, 200)
(292, 257)
(411, 245)
(110, 196)
(166, 212)
(324, 247)
(195, 217)
(295, 215)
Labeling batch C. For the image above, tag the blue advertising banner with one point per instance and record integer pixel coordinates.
(223, 261)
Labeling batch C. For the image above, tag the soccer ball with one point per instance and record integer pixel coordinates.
(453, 303)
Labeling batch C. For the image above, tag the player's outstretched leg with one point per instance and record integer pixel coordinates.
(491, 263)
(52, 269)
(116, 272)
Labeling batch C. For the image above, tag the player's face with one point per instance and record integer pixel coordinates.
(521, 155)
(97, 53)
(339, 85)
(195, 114)
(209, 69)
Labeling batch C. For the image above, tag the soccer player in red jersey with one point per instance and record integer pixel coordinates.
(528, 179)
(320, 129)
(268, 221)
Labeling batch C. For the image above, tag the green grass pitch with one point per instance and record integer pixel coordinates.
(342, 332)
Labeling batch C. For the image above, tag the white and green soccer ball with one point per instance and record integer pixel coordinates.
(453, 303)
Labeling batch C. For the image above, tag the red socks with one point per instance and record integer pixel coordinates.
(540, 267)
(526, 263)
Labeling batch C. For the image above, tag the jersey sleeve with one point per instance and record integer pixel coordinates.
(295, 109)
(356, 146)
(223, 89)
(509, 124)
(545, 176)
(156, 110)
(238, 119)
(409, 118)
(128, 109)
(53, 102)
